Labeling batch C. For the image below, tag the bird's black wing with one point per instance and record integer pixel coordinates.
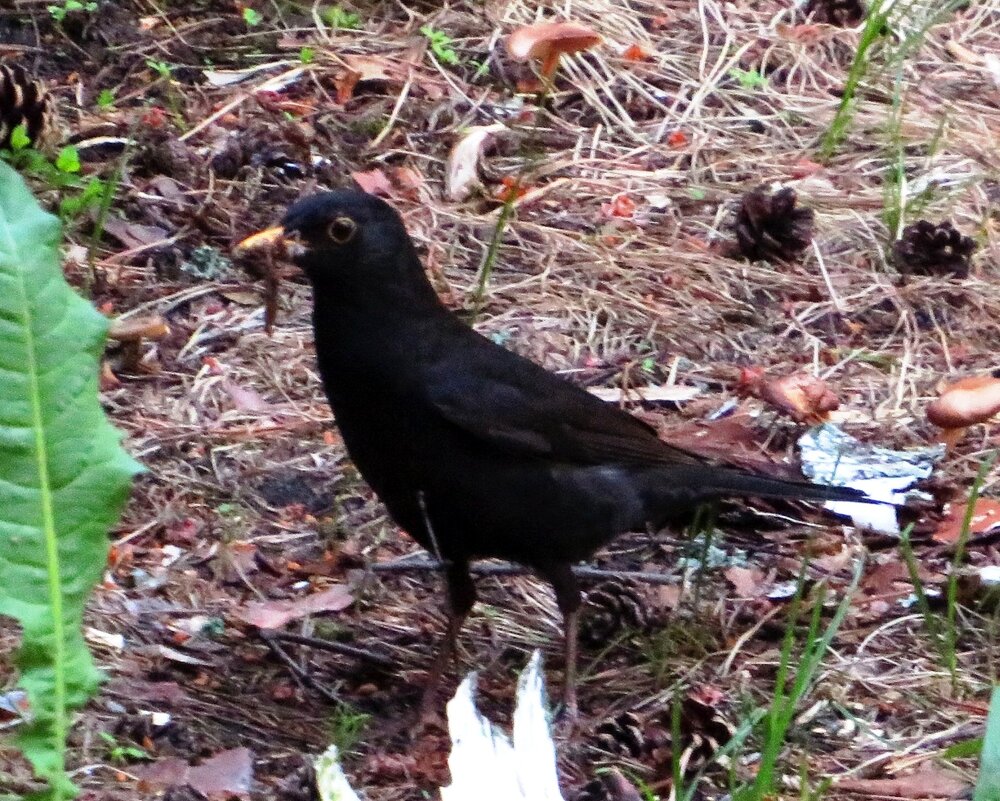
(519, 407)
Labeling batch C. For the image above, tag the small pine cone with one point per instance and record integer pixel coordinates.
(610, 608)
(845, 13)
(23, 100)
(610, 786)
(708, 724)
(703, 731)
(770, 228)
(594, 790)
(621, 735)
(928, 249)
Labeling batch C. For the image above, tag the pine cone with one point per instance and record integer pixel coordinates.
(610, 786)
(621, 735)
(770, 227)
(928, 249)
(649, 738)
(22, 101)
(845, 13)
(703, 731)
(610, 608)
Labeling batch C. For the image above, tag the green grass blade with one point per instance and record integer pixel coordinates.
(988, 786)
(63, 474)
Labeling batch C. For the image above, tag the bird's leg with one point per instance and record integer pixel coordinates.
(461, 597)
(567, 591)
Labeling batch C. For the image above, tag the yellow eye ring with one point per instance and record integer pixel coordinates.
(341, 230)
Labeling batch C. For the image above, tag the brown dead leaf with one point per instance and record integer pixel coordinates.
(963, 55)
(246, 399)
(228, 774)
(242, 297)
(374, 182)
(359, 70)
(234, 561)
(749, 582)
(133, 235)
(734, 440)
(274, 614)
(985, 518)
(667, 596)
(461, 177)
(803, 397)
(924, 784)
(882, 579)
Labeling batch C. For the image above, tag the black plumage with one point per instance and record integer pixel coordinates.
(476, 451)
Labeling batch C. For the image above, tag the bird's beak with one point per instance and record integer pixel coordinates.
(275, 238)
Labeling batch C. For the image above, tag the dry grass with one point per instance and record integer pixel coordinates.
(582, 293)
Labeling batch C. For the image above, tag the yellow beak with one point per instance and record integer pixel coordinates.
(269, 237)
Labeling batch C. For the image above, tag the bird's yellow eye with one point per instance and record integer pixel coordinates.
(342, 229)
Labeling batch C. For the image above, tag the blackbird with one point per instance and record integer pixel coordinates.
(475, 451)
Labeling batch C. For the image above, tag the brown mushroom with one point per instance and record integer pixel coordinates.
(130, 333)
(965, 403)
(546, 41)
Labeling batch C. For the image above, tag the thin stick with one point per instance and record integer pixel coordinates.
(328, 645)
(407, 565)
(270, 640)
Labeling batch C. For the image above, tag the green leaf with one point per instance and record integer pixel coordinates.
(68, 160)
(988, 786)
(19, 138)
(63, 474)
(963, 749)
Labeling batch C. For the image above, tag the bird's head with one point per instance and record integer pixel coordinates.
(343, 238)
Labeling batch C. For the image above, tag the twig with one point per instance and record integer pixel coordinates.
(269, 639)
(328, 645)
(407, 564)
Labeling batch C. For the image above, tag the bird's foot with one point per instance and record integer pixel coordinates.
(567, 719)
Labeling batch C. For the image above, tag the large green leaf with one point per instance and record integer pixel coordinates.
(63, 474)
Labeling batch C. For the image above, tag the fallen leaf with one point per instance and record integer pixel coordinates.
(674, 393)
(803, 168)
(274, 614)
(133, 235)
(243, 297)
(244, 398)
(227, 774)
(461, 177)
(359, 69)
(621, 206)
(178, 656)
(803, 397)
(635, 53)
(881, 579)
(677, 139)
(374, 182)
(963, 55)
(809, 33)
(749, 582)
(221, 78)
(924, 784)
(985, 518)
(409, 180)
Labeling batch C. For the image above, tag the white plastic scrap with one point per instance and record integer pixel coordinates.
(484, 765)
(831, 456)
(331, 782)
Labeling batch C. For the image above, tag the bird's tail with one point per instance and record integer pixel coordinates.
(737, 482)
(699, 483)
